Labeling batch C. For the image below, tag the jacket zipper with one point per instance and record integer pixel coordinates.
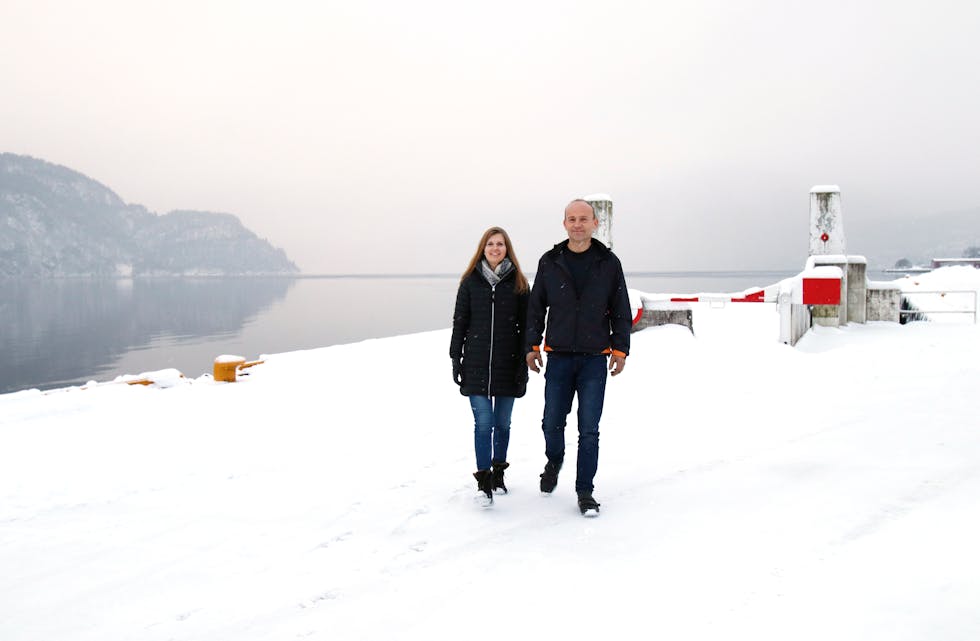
(493, 290)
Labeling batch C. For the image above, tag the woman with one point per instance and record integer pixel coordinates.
(487, 350)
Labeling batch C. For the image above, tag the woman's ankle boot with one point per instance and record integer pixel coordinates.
(484, 482)
(498, 476)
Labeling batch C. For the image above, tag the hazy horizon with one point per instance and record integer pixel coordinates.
(381, 137)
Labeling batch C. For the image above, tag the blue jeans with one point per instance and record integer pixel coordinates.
(565, 376)
(491, 434)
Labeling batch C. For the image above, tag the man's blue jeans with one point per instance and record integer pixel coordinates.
(491, 433)
(565, 376)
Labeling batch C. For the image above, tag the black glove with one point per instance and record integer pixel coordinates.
(458, 371)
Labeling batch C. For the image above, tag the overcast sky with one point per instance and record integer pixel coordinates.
(369, 136)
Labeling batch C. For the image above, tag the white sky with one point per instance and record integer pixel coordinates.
(386, 136)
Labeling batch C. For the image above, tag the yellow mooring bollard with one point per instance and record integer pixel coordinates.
(225, 367)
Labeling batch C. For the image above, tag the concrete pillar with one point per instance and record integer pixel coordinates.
(884, 302)
(602, 203)
(826, 222)
(794, 318)
(857, 289)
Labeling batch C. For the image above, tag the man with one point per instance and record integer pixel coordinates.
(581, 289)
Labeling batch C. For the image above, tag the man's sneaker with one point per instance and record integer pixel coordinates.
(549, 478)
(588, 505)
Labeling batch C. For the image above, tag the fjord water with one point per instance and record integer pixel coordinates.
(55, 333)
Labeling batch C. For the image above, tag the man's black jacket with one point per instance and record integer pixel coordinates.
(592, 323)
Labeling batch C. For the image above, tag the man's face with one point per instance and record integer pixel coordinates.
(580, 222)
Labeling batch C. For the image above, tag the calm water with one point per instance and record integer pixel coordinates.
(55, 333)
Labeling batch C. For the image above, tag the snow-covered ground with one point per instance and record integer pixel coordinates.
(749, 490)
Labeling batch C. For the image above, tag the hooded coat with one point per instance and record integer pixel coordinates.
(488, 335)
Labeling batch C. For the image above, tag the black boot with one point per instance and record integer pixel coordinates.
(549, 478)
(498, 475)
(484, 482)
(588, 505)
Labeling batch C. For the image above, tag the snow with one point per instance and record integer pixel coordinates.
(229, 358)
(824, 189)
(825, 259)
(749, 490)
(946, 295)
(833, 273)
(885, 284)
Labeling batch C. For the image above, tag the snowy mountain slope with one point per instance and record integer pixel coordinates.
(57, 222)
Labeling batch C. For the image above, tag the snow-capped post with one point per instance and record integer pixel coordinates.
(226, 366)
(603, 206)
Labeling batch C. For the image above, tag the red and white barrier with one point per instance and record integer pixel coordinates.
(795, 298)
(767, 295)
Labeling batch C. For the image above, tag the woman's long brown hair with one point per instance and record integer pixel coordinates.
(521, 285)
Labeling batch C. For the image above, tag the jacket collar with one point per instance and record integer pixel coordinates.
(562, 247)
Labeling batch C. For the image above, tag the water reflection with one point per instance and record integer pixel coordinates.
(57, 332)
(60, 332)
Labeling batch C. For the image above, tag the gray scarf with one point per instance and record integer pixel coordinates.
(494, 276)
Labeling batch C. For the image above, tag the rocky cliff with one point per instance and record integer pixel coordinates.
(56, 222)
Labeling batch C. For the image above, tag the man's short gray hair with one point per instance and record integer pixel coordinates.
(581, 200)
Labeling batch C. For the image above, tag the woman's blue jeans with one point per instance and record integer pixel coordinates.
(491, 434)
(567, 376)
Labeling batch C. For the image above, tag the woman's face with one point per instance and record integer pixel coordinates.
(495, 250)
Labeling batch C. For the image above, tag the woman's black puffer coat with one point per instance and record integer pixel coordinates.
(488, 334)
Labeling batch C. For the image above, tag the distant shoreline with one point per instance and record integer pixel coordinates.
(910, 270)
(638, 274)
(709, 273)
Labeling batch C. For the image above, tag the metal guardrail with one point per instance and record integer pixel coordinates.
(944, 292)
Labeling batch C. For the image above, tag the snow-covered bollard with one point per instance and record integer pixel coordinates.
(161, 378)
(226, 366)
